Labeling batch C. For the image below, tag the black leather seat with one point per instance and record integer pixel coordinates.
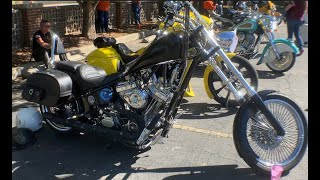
(89, 76)
(85, 76)
(70, 66)
(124, 52)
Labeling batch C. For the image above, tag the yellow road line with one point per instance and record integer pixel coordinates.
(203, 131)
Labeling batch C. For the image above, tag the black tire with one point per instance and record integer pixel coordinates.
(259, 162)
(273, 65)
(214, 81)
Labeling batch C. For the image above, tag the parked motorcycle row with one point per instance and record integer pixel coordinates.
(133, 97)
(249, 28)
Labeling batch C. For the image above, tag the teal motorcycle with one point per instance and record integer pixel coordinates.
(279, 54)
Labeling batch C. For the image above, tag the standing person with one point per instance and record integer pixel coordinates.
(220, 7)
(41, 48)
(103, 8)
(136, 8)
(294, 13)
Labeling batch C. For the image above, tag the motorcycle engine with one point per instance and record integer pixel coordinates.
(246, 42)
(136, 98)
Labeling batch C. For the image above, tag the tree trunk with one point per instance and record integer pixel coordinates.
(88, 28)
(160, 6)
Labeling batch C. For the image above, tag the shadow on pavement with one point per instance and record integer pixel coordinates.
(213, 172)
(77, 156)
(198, 111)
(269, 74)
(198, 72)
(80, 157)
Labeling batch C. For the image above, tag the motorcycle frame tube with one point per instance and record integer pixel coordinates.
(258, 42)
(177, 97)
(186, 47)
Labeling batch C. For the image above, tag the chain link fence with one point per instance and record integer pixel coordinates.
(17, 29)
(67, 20)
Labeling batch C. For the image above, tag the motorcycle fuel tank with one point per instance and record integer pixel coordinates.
(166, 48)
(247, 25)
(106, 58)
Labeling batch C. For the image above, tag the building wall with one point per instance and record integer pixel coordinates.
(67, 19)
(17, 29)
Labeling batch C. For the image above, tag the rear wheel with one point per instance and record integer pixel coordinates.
(221, 92)
(257, 143)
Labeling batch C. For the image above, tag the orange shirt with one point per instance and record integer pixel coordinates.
(103, 5)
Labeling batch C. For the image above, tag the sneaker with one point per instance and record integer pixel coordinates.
(300, 53)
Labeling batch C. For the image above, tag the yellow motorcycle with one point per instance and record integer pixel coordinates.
(269, 8)
(112, 56)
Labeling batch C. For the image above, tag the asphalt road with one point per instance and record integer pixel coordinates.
(186, 154)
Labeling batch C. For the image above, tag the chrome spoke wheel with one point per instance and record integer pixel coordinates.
(270, 148)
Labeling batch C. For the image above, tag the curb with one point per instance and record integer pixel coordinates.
(76, 55)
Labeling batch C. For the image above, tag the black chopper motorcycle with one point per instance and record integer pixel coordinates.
(133, 107)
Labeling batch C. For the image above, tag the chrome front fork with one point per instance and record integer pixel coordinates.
(233, 69)
(239, 97)
(270, 36)
(225, 80)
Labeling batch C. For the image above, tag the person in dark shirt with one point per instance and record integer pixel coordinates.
(294, 13)
(41, 48)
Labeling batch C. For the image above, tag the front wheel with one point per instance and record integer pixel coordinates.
(220, 92)
(285, 63)
(257, 143)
